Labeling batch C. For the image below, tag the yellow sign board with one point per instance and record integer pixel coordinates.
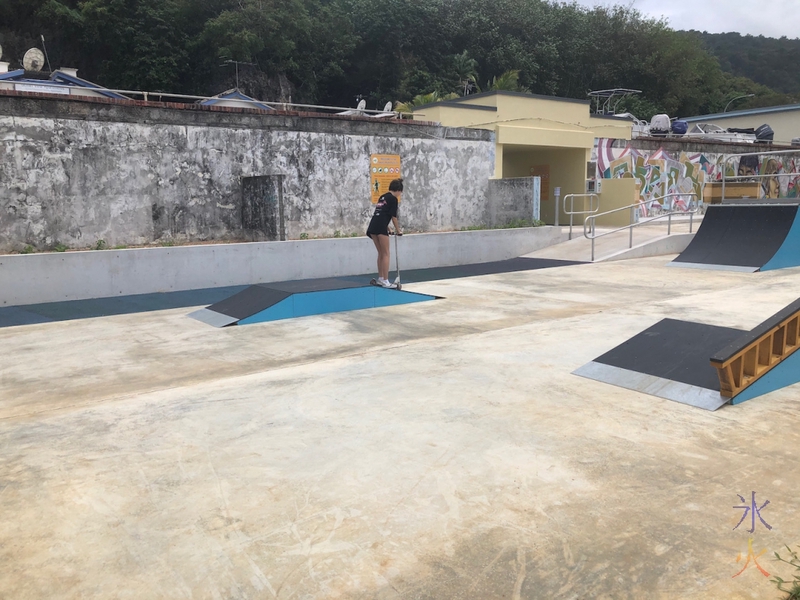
(382, 169)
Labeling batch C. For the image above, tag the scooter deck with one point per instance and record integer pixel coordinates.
(374, 282)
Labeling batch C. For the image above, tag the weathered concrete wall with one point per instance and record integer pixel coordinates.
(510, 199)
(74, 172)
(57, 276)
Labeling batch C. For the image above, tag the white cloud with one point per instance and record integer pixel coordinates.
(771, 18)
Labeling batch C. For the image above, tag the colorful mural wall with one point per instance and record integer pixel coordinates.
(661, 173)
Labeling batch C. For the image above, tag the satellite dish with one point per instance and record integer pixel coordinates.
(362, 105)
(388, 107)
(33, 60)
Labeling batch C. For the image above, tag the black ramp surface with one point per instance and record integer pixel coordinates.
(739, 235)
(674, 350)
(249, 301)
(118, 305)
(511, 265)
(302, 286)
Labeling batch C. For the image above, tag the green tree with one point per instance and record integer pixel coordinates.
(422, 100)
(508, 81)
(466, 69)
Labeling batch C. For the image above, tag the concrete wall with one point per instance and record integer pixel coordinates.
(53, 277)
(509, 200)
(77, 171)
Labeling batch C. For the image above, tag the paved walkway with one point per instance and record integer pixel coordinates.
(435, 450)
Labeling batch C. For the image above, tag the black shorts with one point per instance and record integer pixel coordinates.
(377, 231)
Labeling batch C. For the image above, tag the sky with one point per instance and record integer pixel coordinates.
(770, 18)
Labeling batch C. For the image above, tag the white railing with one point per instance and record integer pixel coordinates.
(572, 212)
(589, 231)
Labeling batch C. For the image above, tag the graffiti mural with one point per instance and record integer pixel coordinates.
(662, 173)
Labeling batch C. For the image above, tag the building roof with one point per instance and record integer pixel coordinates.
(59, 82)
(743, 113)
(235, 95)
(456, 101)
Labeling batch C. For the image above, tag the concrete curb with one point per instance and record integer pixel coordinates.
(669, 244)
(55, 277)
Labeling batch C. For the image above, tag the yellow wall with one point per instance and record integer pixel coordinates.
(451, 116)
(617, 193)
(531, 130)
(786, 124)
(529, 120)
(567, 171)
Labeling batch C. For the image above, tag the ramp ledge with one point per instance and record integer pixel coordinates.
(750, 357)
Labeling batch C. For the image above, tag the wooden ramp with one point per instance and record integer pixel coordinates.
(671, 360)
(751, 356)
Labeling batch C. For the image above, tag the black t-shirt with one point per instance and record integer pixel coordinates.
(385, 209)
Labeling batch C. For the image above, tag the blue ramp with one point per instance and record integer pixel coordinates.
(784, 374)
(287, 300)
(788, 255)
(332, 301)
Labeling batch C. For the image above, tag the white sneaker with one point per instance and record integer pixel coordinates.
(386, 283)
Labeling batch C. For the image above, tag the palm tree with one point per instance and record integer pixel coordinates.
(467, 71)
(420, 100)
(508, 81)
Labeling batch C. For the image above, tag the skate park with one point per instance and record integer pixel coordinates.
(445, 448)
(424, 450)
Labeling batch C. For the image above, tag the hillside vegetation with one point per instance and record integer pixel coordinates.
(335, 51)
(771, 62)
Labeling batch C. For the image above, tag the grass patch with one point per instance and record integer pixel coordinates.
(28, 250)
(512, 224)
(790, 588)
(59, 248)
(100, 245)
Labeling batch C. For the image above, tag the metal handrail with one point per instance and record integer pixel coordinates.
(754, 176)
(632, 207)
(572, 212)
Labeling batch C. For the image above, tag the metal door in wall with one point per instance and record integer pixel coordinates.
(262, 207)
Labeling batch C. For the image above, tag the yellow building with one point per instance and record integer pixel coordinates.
(535, 135)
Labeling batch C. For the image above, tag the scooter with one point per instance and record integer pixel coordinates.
(396, 285)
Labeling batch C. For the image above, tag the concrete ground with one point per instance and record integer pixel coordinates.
(434, 450)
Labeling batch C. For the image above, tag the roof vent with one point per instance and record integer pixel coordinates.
(69, 71)
(4, 67)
